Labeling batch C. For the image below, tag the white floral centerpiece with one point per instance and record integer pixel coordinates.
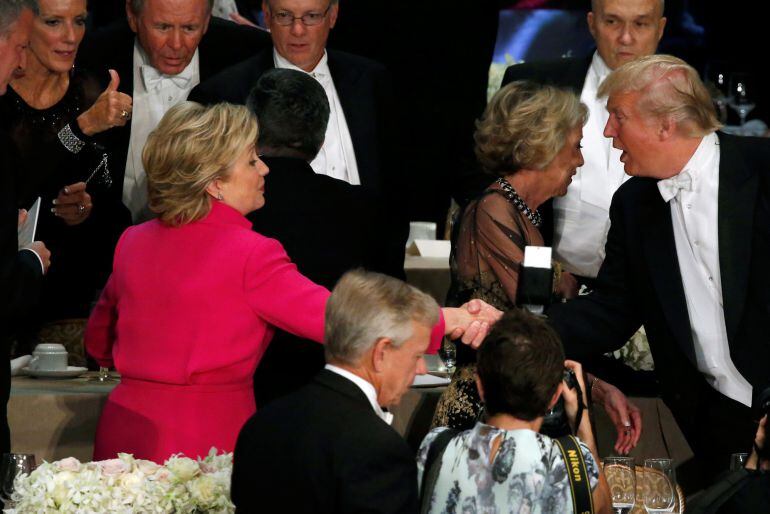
(127, 485)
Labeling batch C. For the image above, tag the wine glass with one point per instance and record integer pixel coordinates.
(659, 486)
(738, 461)
(103, 376)
(13, 465)
(448, 354)
(741, 96)
(718, 84)
(621, 477)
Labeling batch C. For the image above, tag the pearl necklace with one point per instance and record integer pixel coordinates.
(513, 197)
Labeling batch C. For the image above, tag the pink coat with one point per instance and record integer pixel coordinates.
(185, 318)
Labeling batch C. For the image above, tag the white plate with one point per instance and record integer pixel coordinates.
(70, 372)
(429, 381)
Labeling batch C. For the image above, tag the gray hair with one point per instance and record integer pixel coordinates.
(366, 307)
(10, 10)
(332, 2)
(138, 5)
(669, 88)
(662, 5)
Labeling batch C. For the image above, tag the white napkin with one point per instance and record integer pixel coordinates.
(18, 363)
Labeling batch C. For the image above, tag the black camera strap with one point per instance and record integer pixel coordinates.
(579, 484)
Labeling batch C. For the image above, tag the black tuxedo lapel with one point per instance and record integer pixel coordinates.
(358, 115)
(661, 257)
(737, 201)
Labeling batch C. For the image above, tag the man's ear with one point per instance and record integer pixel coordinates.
(132, 17)
(590, 20)
(380, 354)
(667, 128)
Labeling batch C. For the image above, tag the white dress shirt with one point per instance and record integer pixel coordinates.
(154, 94)
(694, 216)
(337, 158)
(367, 388)
(581, 217)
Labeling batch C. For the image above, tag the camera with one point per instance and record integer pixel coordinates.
(555, 422)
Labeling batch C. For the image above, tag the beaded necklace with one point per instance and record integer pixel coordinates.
(513, 197)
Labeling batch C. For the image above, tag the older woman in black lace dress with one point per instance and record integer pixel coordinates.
(54, 113)
(528, 140)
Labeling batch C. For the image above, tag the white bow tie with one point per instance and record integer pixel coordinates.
(153, 79)
(670, 187)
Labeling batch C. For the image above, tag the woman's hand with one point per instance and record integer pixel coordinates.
(73, 205)
(626, 416)
(111, 109)
(471, 321)
(568, 286)
(570, 395)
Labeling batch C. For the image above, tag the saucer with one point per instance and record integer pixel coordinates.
(70, 372)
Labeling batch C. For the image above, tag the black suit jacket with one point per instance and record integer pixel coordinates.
(224, 44)
(640, 282)
(566, 73)
(321, 450)
(327, 227)
(20, 278)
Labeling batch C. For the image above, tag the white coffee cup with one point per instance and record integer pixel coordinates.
(49, 357)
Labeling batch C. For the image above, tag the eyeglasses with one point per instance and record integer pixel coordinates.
(285, 18)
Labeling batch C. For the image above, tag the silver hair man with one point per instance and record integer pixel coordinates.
(10, 10)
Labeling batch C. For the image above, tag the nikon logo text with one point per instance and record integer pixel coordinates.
(574, 465)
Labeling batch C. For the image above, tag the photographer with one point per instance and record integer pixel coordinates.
(504, 464)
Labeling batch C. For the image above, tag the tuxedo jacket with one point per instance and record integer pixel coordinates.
(640, 281)
(565, 73)
(323, 449)
(225, 43)
(327, 227)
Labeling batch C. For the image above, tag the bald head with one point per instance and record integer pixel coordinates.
(625, 30)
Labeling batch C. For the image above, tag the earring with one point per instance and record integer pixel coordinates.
(219, 196)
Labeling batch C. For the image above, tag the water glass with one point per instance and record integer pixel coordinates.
(738, 461)
(11, 466)
(621, 477)
(659, 486)
(448, 354)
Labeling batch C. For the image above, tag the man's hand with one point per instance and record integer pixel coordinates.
(45, 255)
(111, 109)
(626, 416)
(760, 440)
(73, 205)
(471, 321)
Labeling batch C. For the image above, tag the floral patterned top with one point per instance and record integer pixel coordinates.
(527, 475)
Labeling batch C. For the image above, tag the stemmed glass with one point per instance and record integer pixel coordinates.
(741, 97)
(621, 477)
(717, 82)
(659, 486)
(13, 465)
(448, 354)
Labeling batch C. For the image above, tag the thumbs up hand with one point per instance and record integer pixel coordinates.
(111, 109)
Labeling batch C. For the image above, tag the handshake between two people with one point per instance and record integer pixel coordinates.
(470, 322)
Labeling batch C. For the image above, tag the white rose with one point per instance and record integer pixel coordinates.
(184, 468)
(68, 464)
(112, 467)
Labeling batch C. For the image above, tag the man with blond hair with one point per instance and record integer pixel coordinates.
(686, 256)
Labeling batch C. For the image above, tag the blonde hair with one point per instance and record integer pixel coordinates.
(525, 125)
(365, 307)
(191, 147)
(670, 88)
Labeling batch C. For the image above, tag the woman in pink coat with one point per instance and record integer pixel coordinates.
(194, 295)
